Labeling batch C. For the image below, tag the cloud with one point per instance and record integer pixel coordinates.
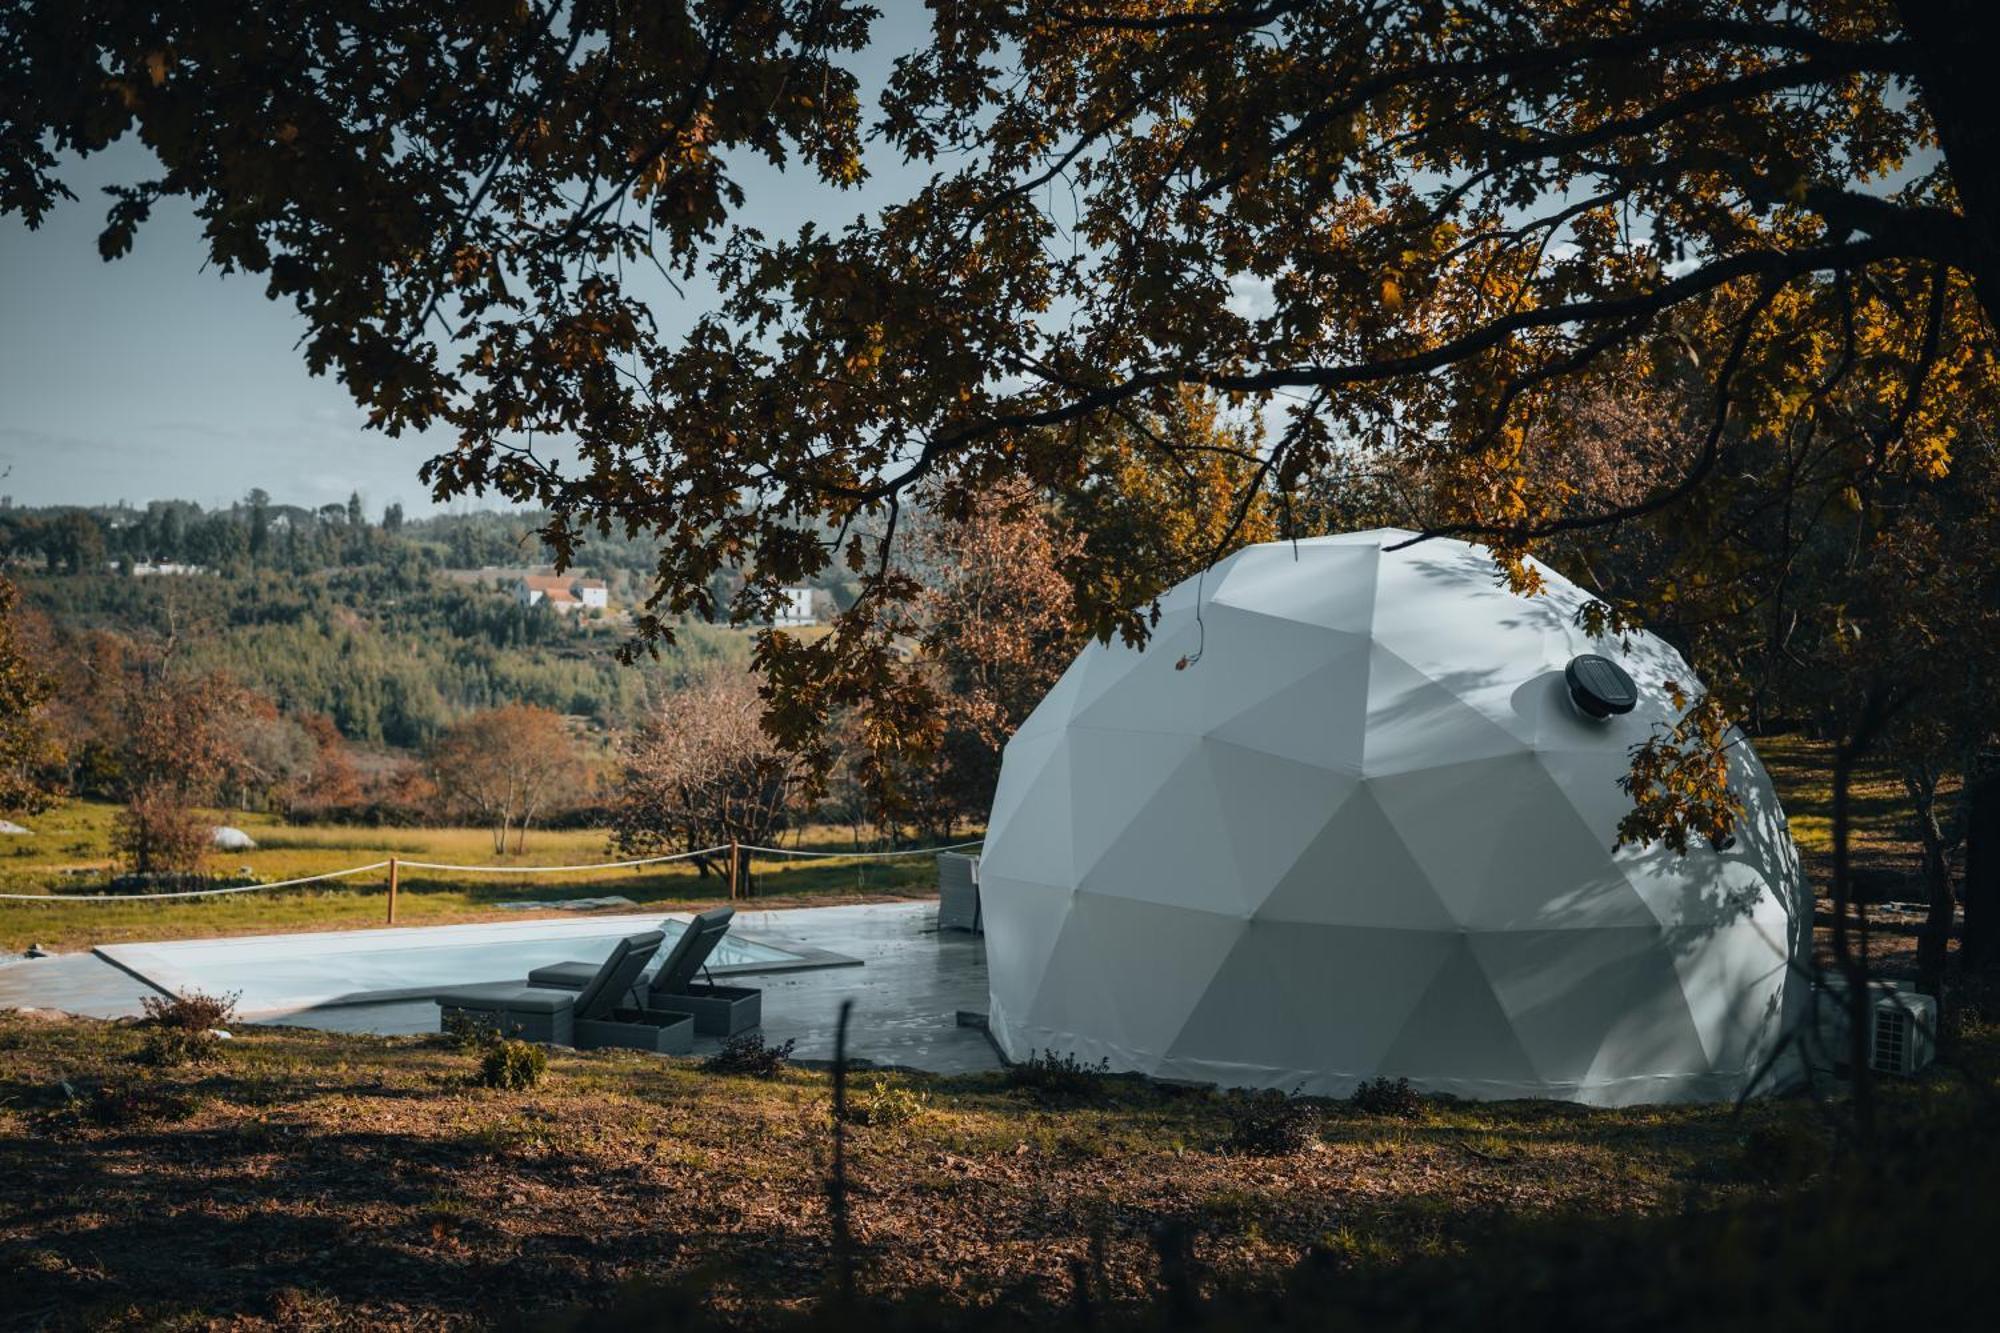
(1251, 296)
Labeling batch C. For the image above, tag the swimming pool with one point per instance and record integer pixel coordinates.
(281, 974)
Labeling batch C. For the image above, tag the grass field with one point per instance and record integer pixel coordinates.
(330, 1180)
(70, 851)
(309, 1179)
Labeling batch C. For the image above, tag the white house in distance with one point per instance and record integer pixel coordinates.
(562, 593)
(796, 610)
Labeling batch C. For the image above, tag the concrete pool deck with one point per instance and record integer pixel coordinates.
(908, 990)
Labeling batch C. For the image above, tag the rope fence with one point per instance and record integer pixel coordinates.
(190, 893)
(563, 870)
(739, 856)
(872, 856)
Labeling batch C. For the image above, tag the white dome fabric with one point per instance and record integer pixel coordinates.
(1367, 834)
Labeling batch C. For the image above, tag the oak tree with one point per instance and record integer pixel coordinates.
(1404, 229)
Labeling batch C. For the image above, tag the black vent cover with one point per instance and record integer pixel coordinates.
(1599, 686)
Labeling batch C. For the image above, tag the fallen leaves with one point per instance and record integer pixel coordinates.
(366, 1174)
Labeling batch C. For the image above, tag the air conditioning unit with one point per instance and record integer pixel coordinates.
(1901, 1041)
(1902, 1025)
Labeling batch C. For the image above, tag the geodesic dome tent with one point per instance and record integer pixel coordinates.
(1368, 831)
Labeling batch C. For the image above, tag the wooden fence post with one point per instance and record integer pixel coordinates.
(735, 859)
(392, 890)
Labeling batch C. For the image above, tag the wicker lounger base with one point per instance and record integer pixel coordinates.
(718, 1011)
(631, 1030)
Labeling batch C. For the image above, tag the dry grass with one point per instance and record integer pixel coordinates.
(374, 1177)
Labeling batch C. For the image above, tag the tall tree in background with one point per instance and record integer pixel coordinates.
(1395, 227)
(30, 757)
(259, 501)
(74, 543)
(508, 767)
(177, 747)
(702, 771)
(993, 624)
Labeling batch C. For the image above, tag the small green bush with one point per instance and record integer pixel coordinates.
(882, 1102)
(462, 1031)
(749, 1054)
(513, 1064)
(185, 1028)
(1273, 1125)
(1058, 1077)
(1392, 1097)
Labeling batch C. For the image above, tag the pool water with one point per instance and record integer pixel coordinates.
(280, 974)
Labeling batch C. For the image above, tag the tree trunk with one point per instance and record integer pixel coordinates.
(1955, 83)
(1980, 945)
(1850, 919)
(1935, 938)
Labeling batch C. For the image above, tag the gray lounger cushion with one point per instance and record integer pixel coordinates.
(546, 1014)
(508, 995)
(619, 974)
(684, 961)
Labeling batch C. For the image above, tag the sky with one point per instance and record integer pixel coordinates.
(154, 378)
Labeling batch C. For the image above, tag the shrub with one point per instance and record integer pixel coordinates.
(134, 1104)
(1393, 1097)
(158, 831)
(749, 1054)
(1273, 1125)
(881, 1101)
(1058, 1077)
(191, 1011)
(185, 1027)
(467, 1032)
(513, 1064)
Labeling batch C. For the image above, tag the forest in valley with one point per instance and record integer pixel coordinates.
(390, 629)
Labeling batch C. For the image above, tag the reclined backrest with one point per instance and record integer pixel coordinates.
(696, 943)
(601, 994)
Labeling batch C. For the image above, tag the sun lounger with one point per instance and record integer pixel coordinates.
(604, 1010)
(718, 1011)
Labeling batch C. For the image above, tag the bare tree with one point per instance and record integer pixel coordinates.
(702, 771)
(507, 767)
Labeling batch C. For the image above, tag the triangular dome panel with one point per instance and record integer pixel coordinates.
(1143, 997)
(1358, 871)
(1458, 1038)
(1320, 718)
(1330, 587)
(1318, 1007)
(1174, 850)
